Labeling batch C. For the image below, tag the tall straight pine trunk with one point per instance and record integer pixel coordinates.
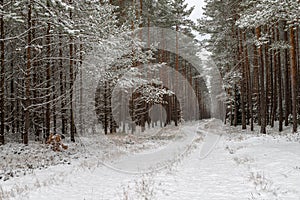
(62, 88)
(2, 78)
(287, 82)
(27, 77)
(279, 77)
(243, 80)
(249, 85)
(48, 79)
(293, 77)
(71, 48)
(256, 83)
(262, 85)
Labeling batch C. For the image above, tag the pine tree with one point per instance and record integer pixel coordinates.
(2, 76)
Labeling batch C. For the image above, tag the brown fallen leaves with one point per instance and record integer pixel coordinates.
(56, 143)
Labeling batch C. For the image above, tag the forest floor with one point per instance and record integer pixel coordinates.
(200, 160)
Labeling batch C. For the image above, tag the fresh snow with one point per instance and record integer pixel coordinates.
(204, 160)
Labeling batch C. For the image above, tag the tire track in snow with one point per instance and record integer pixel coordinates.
(149, 162)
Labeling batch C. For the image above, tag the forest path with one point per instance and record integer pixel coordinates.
(161, 157)
(238, 165)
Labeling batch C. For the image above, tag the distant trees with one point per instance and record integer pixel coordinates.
(165, 14)
(255, 45)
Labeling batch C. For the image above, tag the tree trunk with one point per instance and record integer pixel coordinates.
(176, 75)
(71, 48)
(2, 80)
(262, 86)
(256, 83)
(54, 118)
(105, 108)
(48, 80)
(81, 89)
(279, 68)
(36, 81)
(287, 83)
(242, 81)
(293, 77)
(267, 81)
(27, 78)
(274, 74)
(62, 88)
(249, 86)
(12, 97)
(235, 106)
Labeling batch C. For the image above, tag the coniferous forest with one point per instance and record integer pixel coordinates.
(255, 45)
(150, 99)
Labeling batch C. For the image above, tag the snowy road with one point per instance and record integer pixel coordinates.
(148, 161)
(241, 166)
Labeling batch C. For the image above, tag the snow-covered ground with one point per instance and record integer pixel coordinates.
(196, 161)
